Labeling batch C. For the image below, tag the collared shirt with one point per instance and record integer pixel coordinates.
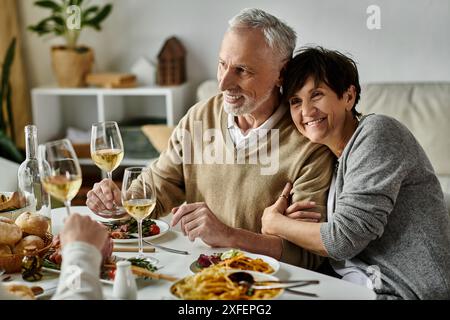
(241, 140)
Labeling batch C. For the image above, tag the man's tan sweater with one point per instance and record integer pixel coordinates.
(236, 192)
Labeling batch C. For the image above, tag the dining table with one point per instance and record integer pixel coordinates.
(178, 266)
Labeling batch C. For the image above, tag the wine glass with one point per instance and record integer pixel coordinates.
(138, 197)
(60, 170)
(107, 153)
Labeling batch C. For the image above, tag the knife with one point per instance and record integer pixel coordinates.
(161, 247)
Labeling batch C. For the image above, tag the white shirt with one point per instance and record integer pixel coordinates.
(241, 141)
(79, 278)
(347, 269)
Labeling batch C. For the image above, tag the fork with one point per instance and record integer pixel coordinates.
(302, 293)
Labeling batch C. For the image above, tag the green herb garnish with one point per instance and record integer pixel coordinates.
(142, 263)
(51, 265)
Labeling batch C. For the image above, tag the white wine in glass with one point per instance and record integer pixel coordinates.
(139, 198)
(107, 153)
(60, 170)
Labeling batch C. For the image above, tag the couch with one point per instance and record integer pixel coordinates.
(8, 175)
(423, 107)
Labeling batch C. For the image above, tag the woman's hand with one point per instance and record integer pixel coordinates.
(295, 212)
(280, 209)
(275, 212)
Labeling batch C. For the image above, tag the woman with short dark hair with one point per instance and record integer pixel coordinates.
(388, 227)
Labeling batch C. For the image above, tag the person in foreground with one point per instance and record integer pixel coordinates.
(388, 227)
(82, 240)
(225, 199)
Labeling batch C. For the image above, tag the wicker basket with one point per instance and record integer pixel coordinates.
(12, 263)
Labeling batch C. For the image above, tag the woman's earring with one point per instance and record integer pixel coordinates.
(281, 90)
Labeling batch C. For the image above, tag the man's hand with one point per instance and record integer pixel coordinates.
(198, 221)
(103, 196)
(84, 229)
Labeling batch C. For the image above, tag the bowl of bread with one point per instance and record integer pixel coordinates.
(29, 229)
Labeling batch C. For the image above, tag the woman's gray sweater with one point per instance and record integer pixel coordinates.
(390, 212)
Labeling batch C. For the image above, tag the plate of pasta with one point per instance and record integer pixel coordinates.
(213, 283)
(236, 259)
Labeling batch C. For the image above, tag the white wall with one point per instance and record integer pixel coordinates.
(413, 43)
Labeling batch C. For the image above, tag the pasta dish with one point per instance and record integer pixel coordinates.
(213, 283)
(242, 262)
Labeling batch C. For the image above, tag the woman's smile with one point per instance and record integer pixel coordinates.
(314, 123)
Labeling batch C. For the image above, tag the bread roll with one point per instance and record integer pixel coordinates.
(10, 233)
(4, 249)
(29, 241)
(21, 291)
(32, 223)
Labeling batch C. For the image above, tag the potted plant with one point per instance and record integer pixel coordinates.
(71, 62)
(8, 149)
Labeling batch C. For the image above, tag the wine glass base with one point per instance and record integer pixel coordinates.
(116, 213)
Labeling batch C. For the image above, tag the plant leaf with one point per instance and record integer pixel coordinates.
(8, 149)
(75, 3)
(102, 15)
(9, 112)
(48, 4)
(54, 24)
(88, 12)
(9, 58)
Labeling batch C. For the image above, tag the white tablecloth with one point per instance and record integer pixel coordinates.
(178, 266)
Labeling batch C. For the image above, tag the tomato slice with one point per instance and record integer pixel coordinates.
(112, 273)
(154, 229)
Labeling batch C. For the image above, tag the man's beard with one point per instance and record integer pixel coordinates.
(248, 106)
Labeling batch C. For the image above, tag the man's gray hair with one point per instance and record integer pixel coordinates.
(279, 36)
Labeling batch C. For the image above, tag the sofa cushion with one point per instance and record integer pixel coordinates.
(423, 107)
(8, 175)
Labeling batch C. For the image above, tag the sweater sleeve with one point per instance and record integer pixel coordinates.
(168, 175)
(374, 168)
(167, 172)
(312, 184)
(80, 270)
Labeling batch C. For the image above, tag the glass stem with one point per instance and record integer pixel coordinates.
(67, 204)
(141, 250)
(109, 175)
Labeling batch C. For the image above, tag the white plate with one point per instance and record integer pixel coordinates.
(59, 214)
(258, 276)
(269, 260)
(111, 282)
(163, 228)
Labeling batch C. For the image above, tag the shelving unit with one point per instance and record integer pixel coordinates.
(56, 109)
